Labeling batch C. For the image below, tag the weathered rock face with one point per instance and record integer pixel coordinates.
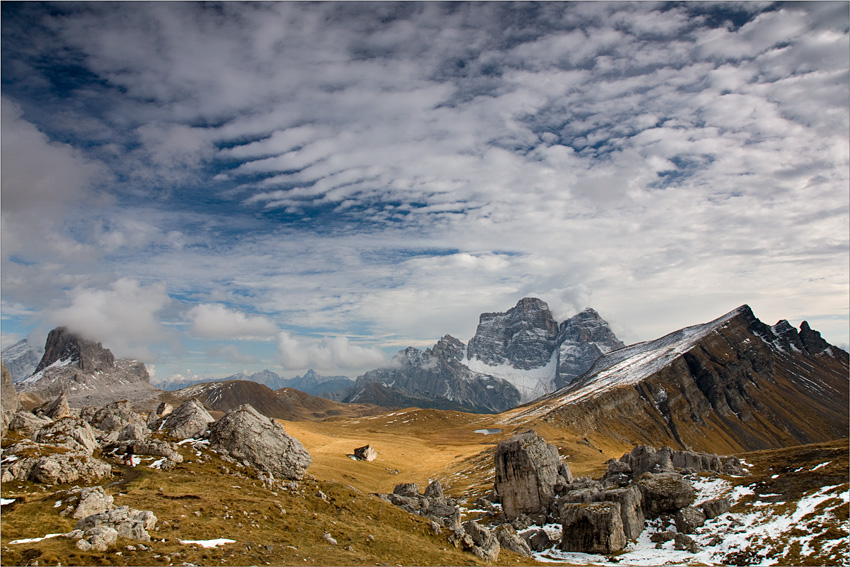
(581, 340)
(161, 412)
(592, 528)
(526, 474)
(689, 519)
(88, 356)
(28, 424)
(115, 416)
(128, 522)
(525, 336)
(664, 493)
(482, 542)
(93, 500)
(20, 359)
(245, 434)
(57, 469)
(716, 507)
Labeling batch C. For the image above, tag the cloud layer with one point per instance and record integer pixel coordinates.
(386, 172)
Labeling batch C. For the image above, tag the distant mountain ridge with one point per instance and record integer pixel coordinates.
(311, 383)
(20, 359)
(514, 357)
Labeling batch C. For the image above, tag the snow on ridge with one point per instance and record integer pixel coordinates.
(629, 365)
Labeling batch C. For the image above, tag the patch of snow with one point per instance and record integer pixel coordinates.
(4, 501)
(34, 539)
(821, 465)
(206, 543)
(158, 463)
(531, 384)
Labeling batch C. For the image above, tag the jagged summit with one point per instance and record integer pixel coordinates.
(63, 345)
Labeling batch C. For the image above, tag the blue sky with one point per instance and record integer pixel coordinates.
(218, 187)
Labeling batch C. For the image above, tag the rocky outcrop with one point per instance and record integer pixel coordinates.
(189, 420)
(478, 540)
(527, 472)
(246, 435)
(67, 346)
(60, 468)
(433, 504)
(92, 500)
(509, 539)
(28, 424)
(631, 510)
(114, 416)
(594, 527)
(126, 521)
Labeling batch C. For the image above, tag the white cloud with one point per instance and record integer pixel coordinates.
(326, 353)
(123, 317)
(216, 321)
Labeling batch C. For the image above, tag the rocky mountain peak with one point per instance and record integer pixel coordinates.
(811, 339)
(525, 336)
(64, 344)
(582, 339)
(448, 348)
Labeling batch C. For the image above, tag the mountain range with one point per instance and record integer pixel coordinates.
(514, 357)
(311, 383)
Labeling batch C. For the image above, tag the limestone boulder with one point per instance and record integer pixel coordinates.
(592, 528)
(631, 512)
(128, 522)
(485, 543)
(189, 420)
(97, 538)
(526, 474)
(133, 431)
(161, 412)
(537, 539)
(664, 493)
(247, 435)
(114, 416)
(409, 489)
(434, 491)
(365, 453)
(61, 468)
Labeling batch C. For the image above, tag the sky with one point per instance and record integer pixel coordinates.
(211, 188)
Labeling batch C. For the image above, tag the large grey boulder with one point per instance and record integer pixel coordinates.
(485, 543)
(70, 432)
(162, 411)
(526, 474)
(365, 453)
(664, 493)
(631, 512)
(189, 420)
(716, 507)
(592, 528)
(247, 435)
(97, 538)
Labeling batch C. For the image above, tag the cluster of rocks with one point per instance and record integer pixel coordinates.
(63, 445)
(100, 523)
(601, 516)
(532, 486)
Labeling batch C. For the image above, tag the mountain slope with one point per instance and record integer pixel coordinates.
(729, 385)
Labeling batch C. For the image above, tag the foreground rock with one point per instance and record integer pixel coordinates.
(365, 453)
(595, 527)
(127, 522)
(247, 435)
(527, 473)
